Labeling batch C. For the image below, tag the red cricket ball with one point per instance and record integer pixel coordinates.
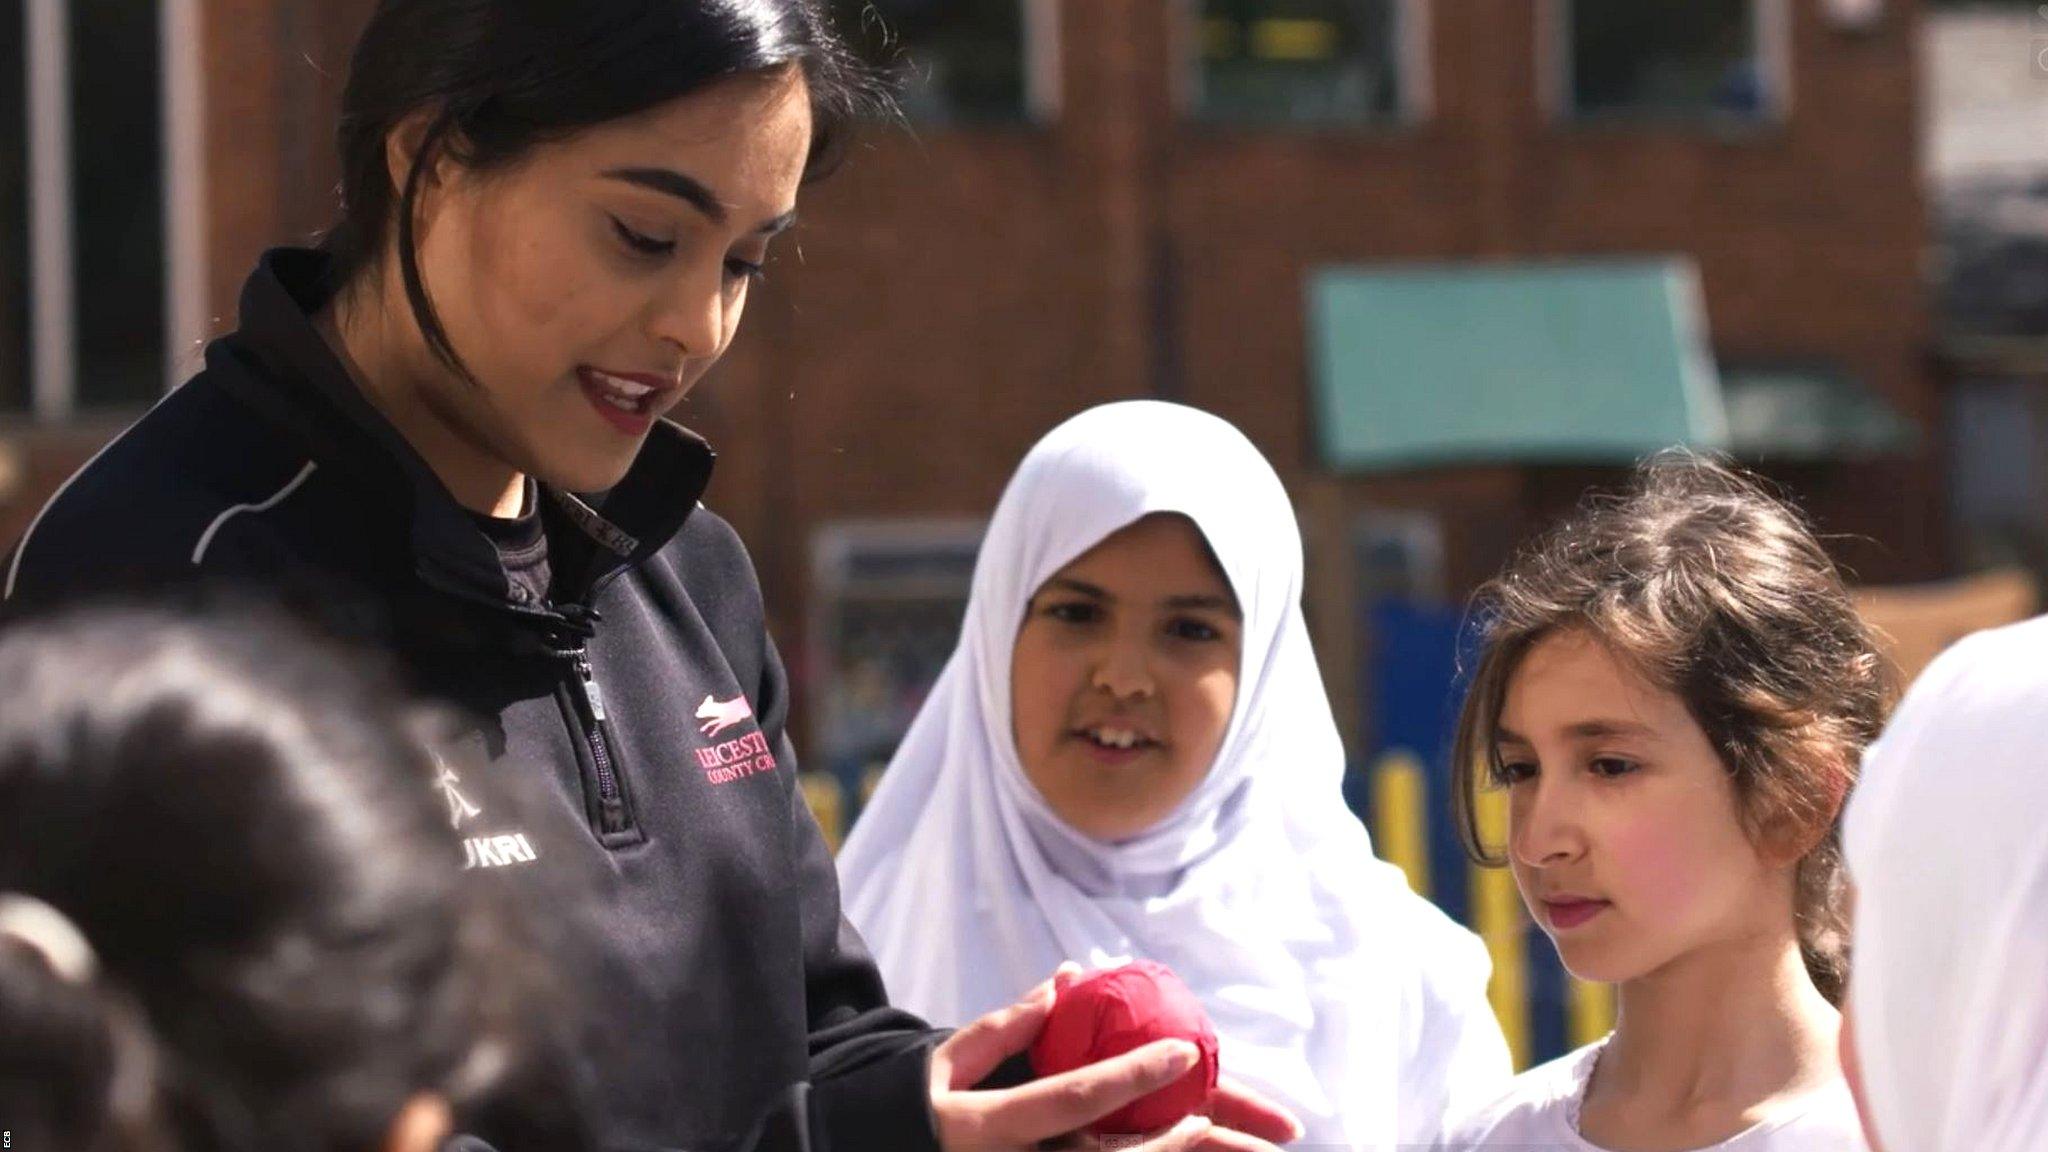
(1110, 1012)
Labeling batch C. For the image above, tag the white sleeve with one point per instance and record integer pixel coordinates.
(1454, 1056)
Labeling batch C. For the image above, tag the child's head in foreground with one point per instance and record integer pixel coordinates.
(1674, 690)
(232, 912)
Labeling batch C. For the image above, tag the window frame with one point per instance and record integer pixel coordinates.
(835, 547)
(1417, 534)
(1043, 91)
(1414, 76)
(1038, 27)
(1772, 21)
(53, 272)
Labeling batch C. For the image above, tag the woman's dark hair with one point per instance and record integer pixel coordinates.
(245, 832)
(501, 76)
(1703, 583)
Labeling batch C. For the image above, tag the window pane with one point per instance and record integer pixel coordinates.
(1996, 452)
(1300, 61)
(1690, 59)
(890, 598)
(14, 258)
(956, 60)
(117, 195)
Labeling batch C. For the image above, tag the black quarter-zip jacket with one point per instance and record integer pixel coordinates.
(646, 694)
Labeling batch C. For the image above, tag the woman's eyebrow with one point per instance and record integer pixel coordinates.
(1199, 601)
(1594, 729)
(1581, 730)
(1080, 587)
(1205, 602)
(695, 193)
(688, 189)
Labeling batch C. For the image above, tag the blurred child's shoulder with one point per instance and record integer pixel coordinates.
(1540, 1110)
(1822, 1121)
(1536, 1110)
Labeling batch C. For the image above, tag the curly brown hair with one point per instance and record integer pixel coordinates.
(1701, 581)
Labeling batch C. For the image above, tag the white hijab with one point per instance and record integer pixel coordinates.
(1332, 985)
(1948, 848)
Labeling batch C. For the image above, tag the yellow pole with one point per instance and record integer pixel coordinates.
(1400, 792)
(828, 804)
(1497, 917)
(1592, 1011)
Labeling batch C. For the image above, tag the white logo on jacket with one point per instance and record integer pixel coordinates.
(459, 807)
(495, 851)
(718, 715)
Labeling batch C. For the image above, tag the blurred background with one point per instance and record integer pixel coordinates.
(1448, 262)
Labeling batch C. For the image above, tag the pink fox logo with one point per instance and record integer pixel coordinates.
(718, 715)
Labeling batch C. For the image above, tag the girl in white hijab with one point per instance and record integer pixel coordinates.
(1946, 1033)
(1131, 755)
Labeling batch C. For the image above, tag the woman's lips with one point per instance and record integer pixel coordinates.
(629, 402)
(1110, 754)
(1567, 914)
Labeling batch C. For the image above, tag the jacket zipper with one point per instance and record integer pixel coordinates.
(610, 801)
(614, 818)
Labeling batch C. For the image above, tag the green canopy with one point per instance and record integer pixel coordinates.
(1566, 362)
(1809, 413)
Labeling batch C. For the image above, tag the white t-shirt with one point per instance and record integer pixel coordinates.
(1540, 1113)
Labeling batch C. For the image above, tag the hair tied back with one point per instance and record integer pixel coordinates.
(36, 927)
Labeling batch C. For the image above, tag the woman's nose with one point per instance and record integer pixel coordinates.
(1124, 672)
(691, 315)
(1543, 825)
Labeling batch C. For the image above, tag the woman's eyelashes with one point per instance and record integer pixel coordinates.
(1612, 766)
(640, 242)
(1507, 769)
(1076, 612)
(1520, 766)
(1087, 614)
(1193, 629)
(655, 248)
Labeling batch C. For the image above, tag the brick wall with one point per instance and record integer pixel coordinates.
(951, 296)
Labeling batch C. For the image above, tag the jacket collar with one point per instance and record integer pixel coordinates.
(278, 364)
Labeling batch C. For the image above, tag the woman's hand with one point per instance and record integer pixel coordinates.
(1056, 1108)
(1240, 1107)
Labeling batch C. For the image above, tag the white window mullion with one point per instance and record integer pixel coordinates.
(53, 374)
(1184, 34)
(1414, 62)
(1042, 82)
(184, 132)
(1554, 59)
(1774, 55)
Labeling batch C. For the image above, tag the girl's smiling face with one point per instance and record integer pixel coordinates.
(1625, 834)
(1124, 676)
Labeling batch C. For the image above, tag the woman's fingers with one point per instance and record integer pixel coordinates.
(1233, 1105)
(1056, 1105)
(969, 1055)
(1066, 974)
(1221, 1139)
(1185, 1136)
(1192, 1134)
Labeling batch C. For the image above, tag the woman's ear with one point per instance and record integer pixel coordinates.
(1795, 830)
(402, 148)
(1787, 839)
(421, 1126)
